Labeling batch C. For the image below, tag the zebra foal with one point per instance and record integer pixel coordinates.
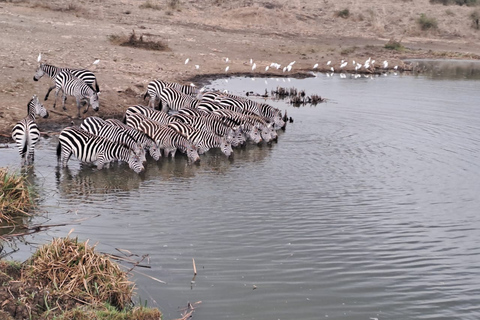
(26, 133)
(73, 86)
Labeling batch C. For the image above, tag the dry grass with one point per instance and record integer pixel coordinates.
(15, 195)
(138, 42)
(70, 268)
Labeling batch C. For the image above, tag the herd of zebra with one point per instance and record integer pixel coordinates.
(178, 117)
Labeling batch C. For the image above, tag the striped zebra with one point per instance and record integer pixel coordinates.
(52, 71)
(166, 138)
(70, 85)
(155, 87)
(100, 127)
(94, 149)
(212, 123)
(140, 137)
(249, 127)
(204, 140)
(26, 133)
(173, 99)
(155, 115)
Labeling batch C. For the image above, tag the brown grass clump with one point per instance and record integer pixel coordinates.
(138, 42)
(15, 195)
(70, 268)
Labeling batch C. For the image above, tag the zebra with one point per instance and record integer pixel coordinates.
(70, 85)
(173, 99)
(215, 124)
(90, 148)
(209, 106)
(155, 115)
(203, 139)
(248, 126)
(100, 127)
(52, 71)
(26, 133)
(166, 138)
(139, 137)
(155, 87)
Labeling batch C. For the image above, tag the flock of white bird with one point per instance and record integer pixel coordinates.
(368, 66)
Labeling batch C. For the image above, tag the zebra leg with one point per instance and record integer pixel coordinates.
(64, 98)
(79, 106)
(48, 92)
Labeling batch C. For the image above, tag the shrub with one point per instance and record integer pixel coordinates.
(345, 13)
(475, 16)
(469, 3)
(393, 44)
(150, 5)
(15, 194)
(427, 23)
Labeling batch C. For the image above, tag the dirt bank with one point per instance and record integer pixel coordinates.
(75, 33)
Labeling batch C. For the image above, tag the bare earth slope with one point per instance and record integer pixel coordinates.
(75, 33)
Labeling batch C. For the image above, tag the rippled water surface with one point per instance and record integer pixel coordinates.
(366, 207)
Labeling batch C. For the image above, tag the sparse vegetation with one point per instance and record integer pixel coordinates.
(67, 279)
(475, 16)
(138, 42)
(393, 44)
(150, 4)
(345, 13)
(427, 23)
(456, 2)
(16, 195)
(347, 51)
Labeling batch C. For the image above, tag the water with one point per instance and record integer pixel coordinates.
(365, 208)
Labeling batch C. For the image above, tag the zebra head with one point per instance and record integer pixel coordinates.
(226, 147)
(140, 151)
(265, 132)
(254, 135)
(154, 151)
(36, 107)
(94, 101)
(192, 152)
(135, 162)
(39, 73)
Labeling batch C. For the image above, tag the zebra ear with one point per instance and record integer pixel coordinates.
(39, 57)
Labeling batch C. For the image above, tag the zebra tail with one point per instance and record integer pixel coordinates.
(97, 88)
(25, 147)
(59, 150)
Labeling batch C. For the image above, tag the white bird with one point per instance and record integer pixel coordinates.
(226, 60)
(226, 69)
(385, 64)
(266, 68)
(251, 61)
(328, 63)
(186, 60)
(289, 68)
(254, 66)
(197, 66)
(332, 69)
(343, 64)
(292, 63)
(192, 84)
(396, 67)
(353, 62)
(315, 66)
(284, 68)
(96, 61)
(39, 57)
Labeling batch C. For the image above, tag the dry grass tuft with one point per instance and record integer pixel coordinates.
(70, 268)
(138, 42)
(15, 195)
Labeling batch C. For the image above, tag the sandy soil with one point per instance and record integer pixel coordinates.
(75, 33)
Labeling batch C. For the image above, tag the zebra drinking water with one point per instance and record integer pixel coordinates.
(139, 137)
(94, 149)
(155, 115)
(100, 127)
(26, 133)
(173, 99)
(166, 138)
(70, 85)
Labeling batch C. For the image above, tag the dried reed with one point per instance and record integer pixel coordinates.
(15, 195)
